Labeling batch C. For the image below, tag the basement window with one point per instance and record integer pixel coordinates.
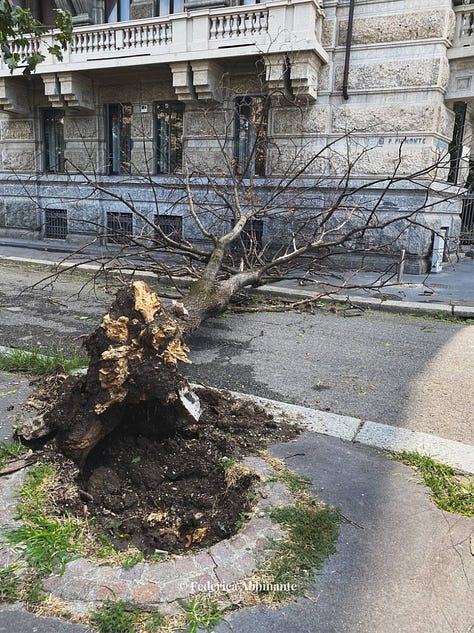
(55, 224)
(119, 227)
(171, 225)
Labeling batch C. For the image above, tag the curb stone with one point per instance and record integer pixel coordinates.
(375, 434)
(372, 303)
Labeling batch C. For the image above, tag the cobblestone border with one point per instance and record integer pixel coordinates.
(86, 584)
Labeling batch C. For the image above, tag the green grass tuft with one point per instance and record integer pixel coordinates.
(153, 622)
(295, 483)
(10, 450)
(9, 584)
(39, 363)
(113, 617)
(451, 492)
(48, 543)
(201, 612)
(312, 535)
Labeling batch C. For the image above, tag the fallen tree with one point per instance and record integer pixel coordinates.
(314, 206)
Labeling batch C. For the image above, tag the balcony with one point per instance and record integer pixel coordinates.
(206, 34)
(461, 57)
(463, 42)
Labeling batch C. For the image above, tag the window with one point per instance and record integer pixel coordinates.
(53, 140)
(251, 238)
(117, 10)
(252, 235)
(456, 145)
(119, 227)
(171, 225)
(250, 139)
(166, 7)
(118, 123)
(55, 223)
(169, 133)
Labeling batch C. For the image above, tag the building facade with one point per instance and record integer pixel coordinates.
(151, 88)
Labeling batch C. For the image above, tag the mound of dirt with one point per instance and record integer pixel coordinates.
(179, 489)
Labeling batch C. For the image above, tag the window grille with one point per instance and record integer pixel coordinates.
(171, 225)
(119, 227)
(55, 223)
(251, 238)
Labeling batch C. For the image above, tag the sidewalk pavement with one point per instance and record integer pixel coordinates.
(449, 293)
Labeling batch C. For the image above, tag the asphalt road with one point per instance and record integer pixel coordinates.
(407, 371)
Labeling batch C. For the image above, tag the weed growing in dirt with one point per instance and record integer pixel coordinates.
(152, 622)
(295, 483)
(9, 584)
(201, 612)
(451, 492)
(107, 553)
(10, 450)
(37, 363)
(312, 533)
(113, 617)
(48, 542)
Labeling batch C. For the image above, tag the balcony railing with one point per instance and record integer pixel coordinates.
(203, 34)
(463, 42)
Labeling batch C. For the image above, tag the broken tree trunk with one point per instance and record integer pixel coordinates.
(133, 359)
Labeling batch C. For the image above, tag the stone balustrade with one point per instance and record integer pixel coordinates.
(463, 41)
(271, 27)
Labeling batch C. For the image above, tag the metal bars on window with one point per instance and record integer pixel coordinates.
(118, 124)
(467, 221)
(55, 224)
(119, 227)
(170, 225)
(250, 135)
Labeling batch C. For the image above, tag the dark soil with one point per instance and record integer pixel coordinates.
(168, 491)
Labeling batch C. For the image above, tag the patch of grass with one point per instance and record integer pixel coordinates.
(37, 363)
(296, 484)
(152, 622)
(113, 617)
(10, 587)
(107, 553)
(450, 491)
(10, 450)
(48, 542)
(312, 532)
(201, 612)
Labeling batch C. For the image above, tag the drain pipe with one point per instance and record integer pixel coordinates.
(345, 81)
